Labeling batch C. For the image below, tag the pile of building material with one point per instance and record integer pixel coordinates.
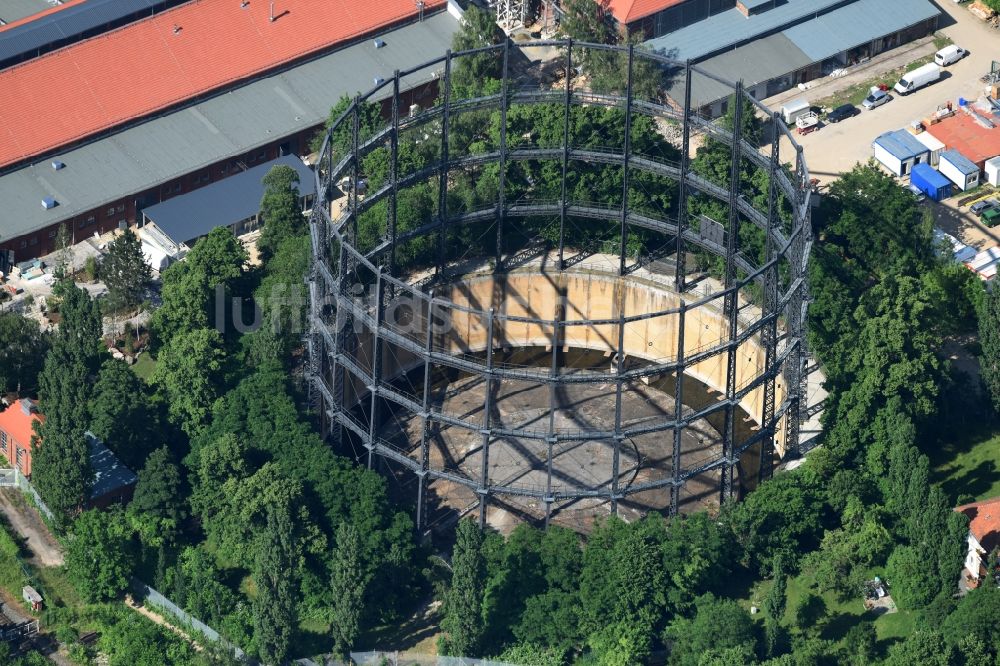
(981, 11)
(985, 263)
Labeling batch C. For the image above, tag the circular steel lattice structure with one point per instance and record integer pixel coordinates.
(685, 291)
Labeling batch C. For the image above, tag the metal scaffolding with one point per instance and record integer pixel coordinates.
(357, 355)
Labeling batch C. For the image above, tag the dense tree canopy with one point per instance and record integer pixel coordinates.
(22, 352)
(125, 272)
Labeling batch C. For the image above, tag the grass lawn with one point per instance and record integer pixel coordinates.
(144, 366)
(967, 465)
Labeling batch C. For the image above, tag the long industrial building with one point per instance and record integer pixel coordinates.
(94, 170)
(773, 45)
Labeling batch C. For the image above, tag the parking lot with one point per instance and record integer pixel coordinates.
(836, 148)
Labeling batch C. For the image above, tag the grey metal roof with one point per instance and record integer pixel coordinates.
(227, 125)
(67, 24)
(959, 161)
(222, 203)
(754, 4)
(731, 28)
(15, 10)
(109, 472)
(901, 144)
(856, 24)
(754, 63)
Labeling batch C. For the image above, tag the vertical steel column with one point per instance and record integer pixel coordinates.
(443, 167)
(557, 336)
(731, 303)
(619, 369)
(484, 472)
(425, 415)
(374, 416)
(501, 194)
(355, 162)
(565, 156)
(341, 319)
(769, 332)
(675, 460)
(682, 214)
(622, 253)
(394, 174)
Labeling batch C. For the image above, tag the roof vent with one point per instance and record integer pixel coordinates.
(48, 202)
(57, 164)
(244, 4)
(379, 80)
(379, 43)
(27, 406)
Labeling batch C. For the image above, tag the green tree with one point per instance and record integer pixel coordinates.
(61, 457)
(279, 209)
(99, 556)
(125, 272)
(977, 616)
(159, 498)
(188, 371)
(22, 352)
(911, 582)
(463, 606)
(924, 647)
(989, 338)
(123, 413)
(809, 611)
(477, 74)
(347, 585)
(275, 574)
(718, 624)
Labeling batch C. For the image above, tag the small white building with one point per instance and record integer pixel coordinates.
(899, 151)
(933, 145)
(992, 167)
(983, 537)
(959, 169)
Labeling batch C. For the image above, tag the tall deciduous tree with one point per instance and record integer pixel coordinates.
(188, 370)
(463, 607)
(122, 413)
(158, 497)
(280, 210)
(61, 459)
(100, 557)
(125, 272)
(22, 352)
(347, 586)
(476, 74)
(275, 574)
(989, 338)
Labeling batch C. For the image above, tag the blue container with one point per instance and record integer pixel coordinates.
(931, 182)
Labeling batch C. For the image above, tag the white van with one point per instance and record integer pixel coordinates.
(794, 109)
(949, 54)
(918, 78)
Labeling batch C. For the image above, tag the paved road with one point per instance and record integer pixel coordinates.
(837, 148)
(44, 548)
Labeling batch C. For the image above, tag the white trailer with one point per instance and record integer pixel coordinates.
(917, 79)
(958, 169)
(992, 167)
(793, 110)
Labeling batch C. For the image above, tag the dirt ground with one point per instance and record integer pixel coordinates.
(45, 550)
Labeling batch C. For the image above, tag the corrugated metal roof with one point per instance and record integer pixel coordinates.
(960, 162)
(901, 144)
(67, 22)
(18, 10)
(931, 175)
(223, 203)
(230, 124)
(165, 60)
(754, 63)
(109, 472)
(731, 28)
(856, 24)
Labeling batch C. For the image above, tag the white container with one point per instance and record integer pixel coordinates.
(949, 54)
(992, 167)
(933, 145)
(790, 112)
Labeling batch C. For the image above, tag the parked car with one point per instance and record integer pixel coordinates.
(842, 112)
(991, 216)
(949, 54)
(917, 192)
(980, 207)
(876, 99)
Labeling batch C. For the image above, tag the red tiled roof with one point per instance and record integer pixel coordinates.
(17, 424)
(141, 68)
(36, 15)
(984, 521)
(960, 132)
(627, 11)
